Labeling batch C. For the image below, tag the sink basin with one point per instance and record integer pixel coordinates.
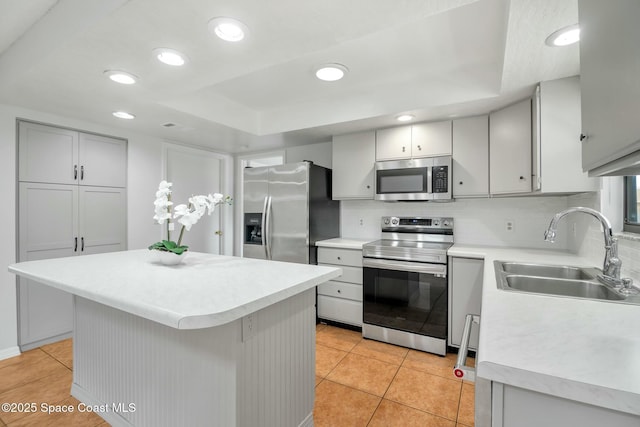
(554, 271)
(563, 287)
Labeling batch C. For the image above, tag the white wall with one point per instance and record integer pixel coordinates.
(319, 154)
(477, 221)
(143, 174)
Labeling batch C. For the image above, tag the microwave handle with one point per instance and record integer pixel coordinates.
(430, 179)
(460, 370)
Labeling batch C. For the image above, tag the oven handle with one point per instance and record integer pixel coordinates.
(460, 370)
(438, 270)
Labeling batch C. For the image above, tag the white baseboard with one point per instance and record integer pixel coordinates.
(9, 352)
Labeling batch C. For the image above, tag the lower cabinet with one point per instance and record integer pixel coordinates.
(517, 407)
(340, 300)
(465, 296)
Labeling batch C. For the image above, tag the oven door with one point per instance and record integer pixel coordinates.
(406, 296)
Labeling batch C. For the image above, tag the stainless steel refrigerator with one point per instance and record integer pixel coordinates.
(287, 208)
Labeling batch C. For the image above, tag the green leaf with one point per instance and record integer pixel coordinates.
(169, 244)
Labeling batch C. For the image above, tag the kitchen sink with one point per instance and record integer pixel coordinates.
(557, 280)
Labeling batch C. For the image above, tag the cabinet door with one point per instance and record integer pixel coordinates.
(431, 139)
(353, 159)
(47, 154)
(471, 157)
(465, 288)
(394, 143)
(103, 161)
(102, 220)
(48, 224)
(609, 70)
(510, 149)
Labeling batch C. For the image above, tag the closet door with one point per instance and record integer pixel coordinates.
(48, 227)
(47, 154)
(102, 220)
(103, 161)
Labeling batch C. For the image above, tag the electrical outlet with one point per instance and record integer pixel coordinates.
(361, 222)
(249, 327)
(509, 225)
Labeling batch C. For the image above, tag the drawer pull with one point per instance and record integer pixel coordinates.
(339, 291)
(339, 258)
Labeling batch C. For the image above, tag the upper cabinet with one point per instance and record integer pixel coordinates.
(510, 149)
(557, 124)
(353, 159)
(610, 83)
(471, 157)
(63, 156)
(422, 140)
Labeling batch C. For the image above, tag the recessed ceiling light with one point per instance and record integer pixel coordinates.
(123, 115)
(564, 36)
(405, 117)
(331, 72)
(169, 56)
(122, 77)
(228, 29)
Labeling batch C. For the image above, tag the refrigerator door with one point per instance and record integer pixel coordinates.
(256, 192)
(288, 216)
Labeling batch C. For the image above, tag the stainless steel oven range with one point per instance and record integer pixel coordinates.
(405, 283)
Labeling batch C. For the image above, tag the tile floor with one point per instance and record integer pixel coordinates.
(358, 383)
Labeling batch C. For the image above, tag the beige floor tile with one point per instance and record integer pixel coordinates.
(392, 414)
(2, 424)
(339, 406)
(31, 368)
(363, 373)
(49, 390)
(318, 380)
(60, 419)
(427, 392)
(341, 339)
(381, 351)
(320, 327)
(466, 409)
(326, 359)
(62, 351)
(431, 363)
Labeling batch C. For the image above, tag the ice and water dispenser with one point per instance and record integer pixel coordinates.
(253, 228)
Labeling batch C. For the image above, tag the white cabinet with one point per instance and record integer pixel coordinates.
(609, 70)
(63, 156)
(465, 297)
(471, 157)
(510, 149)
(421, 140)
(64, 219)
(557, 148)
(340, 300)
(518, 407)
(353, 160)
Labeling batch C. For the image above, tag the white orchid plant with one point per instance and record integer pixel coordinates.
(187, 215)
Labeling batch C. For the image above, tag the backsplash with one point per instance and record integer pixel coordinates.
(476, 221)
(589, 240)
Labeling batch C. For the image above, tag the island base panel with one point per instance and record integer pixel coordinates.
(137, 372)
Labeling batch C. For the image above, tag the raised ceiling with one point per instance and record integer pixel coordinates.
(432, 58)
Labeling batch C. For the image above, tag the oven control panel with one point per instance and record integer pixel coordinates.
(415, 223)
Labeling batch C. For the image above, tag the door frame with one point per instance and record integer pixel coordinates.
(226, 187)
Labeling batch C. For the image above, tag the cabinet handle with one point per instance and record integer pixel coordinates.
(339, 291)
(419, 148)
(81, 173)
(368, 186)
(82, 244)
(75, 172)
(403, 149)
(522, 178)
(583, 137)
(339, 258)
(75, 246)
(460, 182)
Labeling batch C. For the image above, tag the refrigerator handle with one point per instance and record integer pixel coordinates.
(267, 230)
(263, 227)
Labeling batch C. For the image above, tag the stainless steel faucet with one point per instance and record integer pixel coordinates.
(611, 267)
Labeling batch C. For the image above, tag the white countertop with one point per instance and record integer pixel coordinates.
(344, 243)
(204, 291)
(584, 350)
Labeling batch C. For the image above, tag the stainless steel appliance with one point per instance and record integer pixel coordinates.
(414, 179)
(405, 283)
(287, 208)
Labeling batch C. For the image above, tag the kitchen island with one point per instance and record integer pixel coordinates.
(215, 341)
(550, 357)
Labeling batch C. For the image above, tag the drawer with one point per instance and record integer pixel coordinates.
(349, 274)
(336, 256)
(341, 290)
(340, 310)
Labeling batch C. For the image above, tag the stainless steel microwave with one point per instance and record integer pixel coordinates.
(414, 180)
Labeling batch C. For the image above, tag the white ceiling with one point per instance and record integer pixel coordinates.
(432, 58)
